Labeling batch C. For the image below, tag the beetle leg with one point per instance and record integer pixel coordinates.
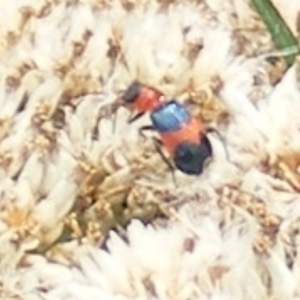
(221, 138)
(145, 128)
(134, 118)
(158, 144)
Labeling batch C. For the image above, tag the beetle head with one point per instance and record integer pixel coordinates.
(132, 93)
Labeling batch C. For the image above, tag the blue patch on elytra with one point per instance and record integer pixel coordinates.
(171, 116)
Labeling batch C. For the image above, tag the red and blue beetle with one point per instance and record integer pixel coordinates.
(181, 134)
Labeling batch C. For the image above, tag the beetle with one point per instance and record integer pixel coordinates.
(182, 135)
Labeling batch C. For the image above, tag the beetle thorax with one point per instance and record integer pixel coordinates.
(148, 101)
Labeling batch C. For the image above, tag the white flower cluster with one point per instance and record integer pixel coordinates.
(63, 65)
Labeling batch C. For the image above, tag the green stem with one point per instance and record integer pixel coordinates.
(281, 34)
